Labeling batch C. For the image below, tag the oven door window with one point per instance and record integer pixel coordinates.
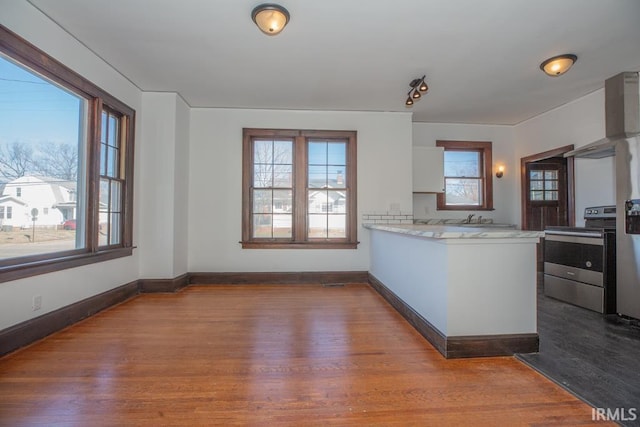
(578, 255)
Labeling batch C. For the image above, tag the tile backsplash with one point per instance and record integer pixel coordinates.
(387, 218)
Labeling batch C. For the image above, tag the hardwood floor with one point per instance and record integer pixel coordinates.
(266, 355)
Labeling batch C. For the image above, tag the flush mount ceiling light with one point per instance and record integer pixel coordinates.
(558, 65)
(270, 18)
(416, 86)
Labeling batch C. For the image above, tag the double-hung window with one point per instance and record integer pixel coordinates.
(66, 166)
(467, 176)
(299, 189)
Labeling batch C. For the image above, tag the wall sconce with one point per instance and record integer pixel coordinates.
(500, 172)
(558, 65)
(270, 18)
(415, 87)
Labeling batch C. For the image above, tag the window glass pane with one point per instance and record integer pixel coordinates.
(337, 226)
(262, 201)
(282, 201)
(551, 185)
(536, 175)
(114, 229)
(112, 162)
(262, 176)
(104, 195)
(463, 192)
(282, 226)
(116, 195)
(282, 175)
(317, 153)
(462, 163)
(551, 195)
(263, 151)
(537, 195)
(337, 200)
(551, 174)
(42, 142)
(337, 153)
(317, 226)
(103, 159)
(262, 226)
(283, 152)
(318, 201)
(537, 185)
(317, 177)
(337, 177)
(113, 131)
(103, 130)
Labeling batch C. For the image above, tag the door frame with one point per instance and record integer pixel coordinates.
(571, 201)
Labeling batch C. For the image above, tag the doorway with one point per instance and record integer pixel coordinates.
(547, 197)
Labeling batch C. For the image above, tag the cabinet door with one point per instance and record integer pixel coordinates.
(428, 169)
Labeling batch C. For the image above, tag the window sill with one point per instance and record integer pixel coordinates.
(35, 268)
(299, 245)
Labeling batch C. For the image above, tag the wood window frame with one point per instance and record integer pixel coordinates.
(37, 60)
(299, 239)
(485, 148)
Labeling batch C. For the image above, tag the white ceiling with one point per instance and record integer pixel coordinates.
(481, 58)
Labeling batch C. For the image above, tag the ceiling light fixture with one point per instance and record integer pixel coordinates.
(415, 87)
(270, 18)
(558, 65)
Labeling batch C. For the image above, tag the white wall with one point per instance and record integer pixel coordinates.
(215, 185)
(578, 122)
(505, 196)
(68, 286)
(163, 170)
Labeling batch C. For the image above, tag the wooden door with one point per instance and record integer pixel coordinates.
(546, 196)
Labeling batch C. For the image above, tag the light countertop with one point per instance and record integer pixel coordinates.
(456, 232)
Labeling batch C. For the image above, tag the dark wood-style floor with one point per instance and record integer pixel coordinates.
(267, 355)
(595, 357)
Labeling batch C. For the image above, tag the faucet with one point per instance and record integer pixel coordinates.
(480, 219)
(469, 218)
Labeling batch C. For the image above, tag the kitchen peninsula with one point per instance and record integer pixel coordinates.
(471, 291)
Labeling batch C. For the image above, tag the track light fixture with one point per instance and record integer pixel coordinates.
(416, 86)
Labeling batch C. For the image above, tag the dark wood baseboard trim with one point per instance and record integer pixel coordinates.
(422, 325)
(304, 277)
(491, 345)
(462, 346)
(32, 330)
(163, 285)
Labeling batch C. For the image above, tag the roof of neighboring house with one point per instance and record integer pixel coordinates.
(4, 199)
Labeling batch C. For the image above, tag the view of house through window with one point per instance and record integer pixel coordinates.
(42, 142)
(298, 188)
(467, 175)
(66, 158)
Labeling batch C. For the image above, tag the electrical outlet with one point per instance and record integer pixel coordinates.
(37, 303)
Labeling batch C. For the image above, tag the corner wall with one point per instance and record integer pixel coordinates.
(65, 287)
(215, 185)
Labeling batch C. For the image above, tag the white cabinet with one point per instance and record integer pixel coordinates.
(428, 169)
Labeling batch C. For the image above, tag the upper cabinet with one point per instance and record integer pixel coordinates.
(428, 169)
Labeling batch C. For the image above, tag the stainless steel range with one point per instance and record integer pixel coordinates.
(580, 262)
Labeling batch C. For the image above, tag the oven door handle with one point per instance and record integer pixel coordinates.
(572, 233)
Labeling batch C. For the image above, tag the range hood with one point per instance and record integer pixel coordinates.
(622, 116)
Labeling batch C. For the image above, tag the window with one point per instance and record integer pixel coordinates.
(1, 212)
(544, 185)
(70, 148)
(299, 189)
(467, 176)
